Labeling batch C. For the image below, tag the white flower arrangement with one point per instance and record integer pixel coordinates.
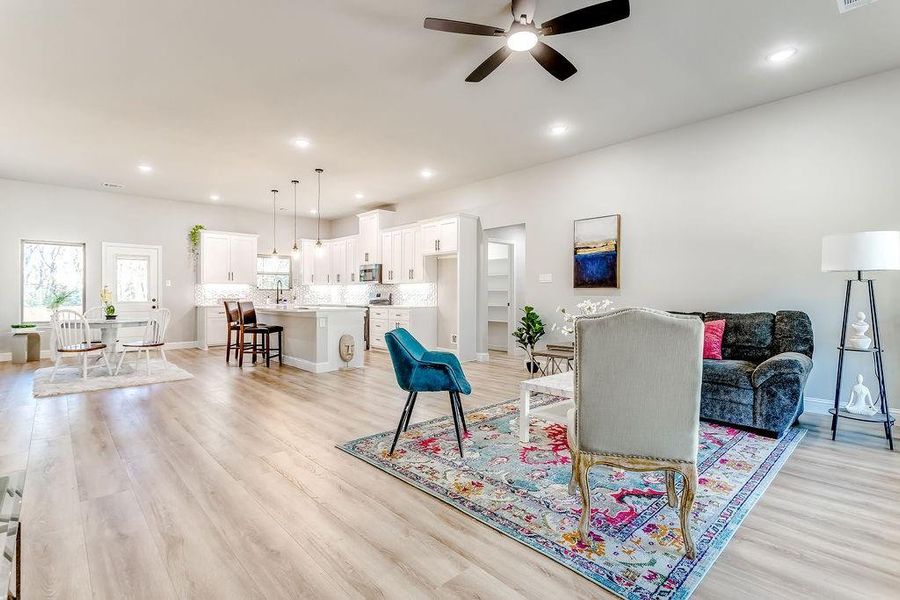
(586, 307)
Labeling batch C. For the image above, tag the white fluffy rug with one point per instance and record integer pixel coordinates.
(68, 378)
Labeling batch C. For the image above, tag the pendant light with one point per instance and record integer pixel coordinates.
(319, 206)
(296, 249)
(274, 209)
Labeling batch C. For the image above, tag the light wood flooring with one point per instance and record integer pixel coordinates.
(229, 486)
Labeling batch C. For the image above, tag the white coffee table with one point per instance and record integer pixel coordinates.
(561, 385)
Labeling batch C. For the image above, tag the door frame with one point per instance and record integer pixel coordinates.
(104, 246)
(512, 310)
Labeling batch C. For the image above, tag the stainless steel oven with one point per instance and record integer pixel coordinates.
(370, 273)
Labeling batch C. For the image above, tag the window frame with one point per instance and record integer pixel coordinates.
(22, 243)
(290, 272)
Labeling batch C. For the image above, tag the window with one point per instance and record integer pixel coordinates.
(132, 278)
(271, 269)
(52, 274)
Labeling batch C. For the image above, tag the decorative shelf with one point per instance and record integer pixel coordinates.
(876, 418)
(845, 349)
(504, 321)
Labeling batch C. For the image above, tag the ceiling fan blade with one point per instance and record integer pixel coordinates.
(462, 27)
(555, 63)
(587, 17)
(487, 67)
(524, 8)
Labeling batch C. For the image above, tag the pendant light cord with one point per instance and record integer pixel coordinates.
(318, 205)
(274, 209)
(294, 182)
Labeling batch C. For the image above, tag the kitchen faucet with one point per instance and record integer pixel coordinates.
(278, 291)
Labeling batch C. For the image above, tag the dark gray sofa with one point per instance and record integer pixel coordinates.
(766, 361)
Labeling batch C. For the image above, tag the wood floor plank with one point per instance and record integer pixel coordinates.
(232, 481)
(123, 560)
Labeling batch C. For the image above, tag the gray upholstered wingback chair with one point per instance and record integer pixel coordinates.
(637, 402)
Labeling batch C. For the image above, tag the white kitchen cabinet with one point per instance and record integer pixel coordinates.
(307, 262)
(420, 321)
(352, 259)
(370, 225)
(392, 256)
(440, 236)
(338, 261)
(212, 326)
(413, 267)
(322, 264)
(227, 257)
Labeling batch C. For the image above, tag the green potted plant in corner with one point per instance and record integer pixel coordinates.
(527, 334)
(108, 308)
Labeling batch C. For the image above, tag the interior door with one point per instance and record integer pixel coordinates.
(132, 274)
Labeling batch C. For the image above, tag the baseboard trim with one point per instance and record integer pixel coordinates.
(182, 345)
(816, 406)
(482, 357)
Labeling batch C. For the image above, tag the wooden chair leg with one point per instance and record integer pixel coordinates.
(280, 345)
(240, 349)
(671, 495)
(406, 410)
(254, 349)
(410, 411)
(689, 476)
(584, 523)
(228, 346)
(267, 341)
(573, 478)
(456, 426)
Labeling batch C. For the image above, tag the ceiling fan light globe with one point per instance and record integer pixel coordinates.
(521, 41)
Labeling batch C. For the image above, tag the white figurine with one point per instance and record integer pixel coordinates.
(859, 340)
(860, 402)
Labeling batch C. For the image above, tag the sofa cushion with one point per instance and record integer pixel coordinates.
(748, 336)
(793, 332)
(735, 373)
(712, 393)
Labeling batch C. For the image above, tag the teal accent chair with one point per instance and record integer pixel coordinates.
(420, 370)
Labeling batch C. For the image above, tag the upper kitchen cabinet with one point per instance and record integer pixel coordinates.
(307, 262)
(392, 256)
(322, 264)
(440, 236)
(370, 225)
(227, 257)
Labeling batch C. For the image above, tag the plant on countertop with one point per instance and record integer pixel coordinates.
(528, 333)
(587, 307)
(106, 299)
(57, 299)
(194, 237)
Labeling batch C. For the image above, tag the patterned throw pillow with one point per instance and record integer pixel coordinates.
(712, 339)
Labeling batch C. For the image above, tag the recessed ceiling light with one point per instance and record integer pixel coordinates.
(302, 143)
(559, 129)
(312, 211)
(214, 197)
(781, 55)
(144, 168)
(359, 195)
(426, 173)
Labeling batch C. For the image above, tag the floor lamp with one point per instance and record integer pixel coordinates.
(859, 252)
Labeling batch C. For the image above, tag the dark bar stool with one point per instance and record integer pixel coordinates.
(249, 325)
(233, 319)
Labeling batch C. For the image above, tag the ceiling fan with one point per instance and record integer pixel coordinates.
(523, 34)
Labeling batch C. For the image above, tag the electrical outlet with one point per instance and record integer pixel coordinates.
(545, 278)
(453, 338)
(168, 283)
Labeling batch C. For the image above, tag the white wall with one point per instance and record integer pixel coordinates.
(51, 213)
(726, 214)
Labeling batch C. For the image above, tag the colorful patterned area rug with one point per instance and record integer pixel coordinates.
(520, 490)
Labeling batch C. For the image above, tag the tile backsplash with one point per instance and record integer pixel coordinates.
(413, 294)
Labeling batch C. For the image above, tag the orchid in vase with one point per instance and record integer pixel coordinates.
(586, 307)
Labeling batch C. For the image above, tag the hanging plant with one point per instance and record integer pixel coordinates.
(194, 237)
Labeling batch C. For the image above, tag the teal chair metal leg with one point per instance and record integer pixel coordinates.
(404, 418)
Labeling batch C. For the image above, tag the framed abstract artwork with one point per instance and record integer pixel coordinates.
(597, 252)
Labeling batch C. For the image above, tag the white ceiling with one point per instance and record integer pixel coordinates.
(211, 92)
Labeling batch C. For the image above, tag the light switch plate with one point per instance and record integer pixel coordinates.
(168, 283)
(545, 278)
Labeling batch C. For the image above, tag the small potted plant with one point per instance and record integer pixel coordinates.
(108, 308)
(527, 334)
(23, 328)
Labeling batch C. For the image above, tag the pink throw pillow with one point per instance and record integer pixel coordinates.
(712, 339)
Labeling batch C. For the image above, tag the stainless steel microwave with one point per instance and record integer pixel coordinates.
(370, 273)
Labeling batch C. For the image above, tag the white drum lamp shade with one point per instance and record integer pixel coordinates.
(862, 251)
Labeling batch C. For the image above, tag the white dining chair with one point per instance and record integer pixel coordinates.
(91, 314)
(73, 339)
(154, 338)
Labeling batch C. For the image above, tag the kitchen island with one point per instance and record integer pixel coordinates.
(312, 334)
